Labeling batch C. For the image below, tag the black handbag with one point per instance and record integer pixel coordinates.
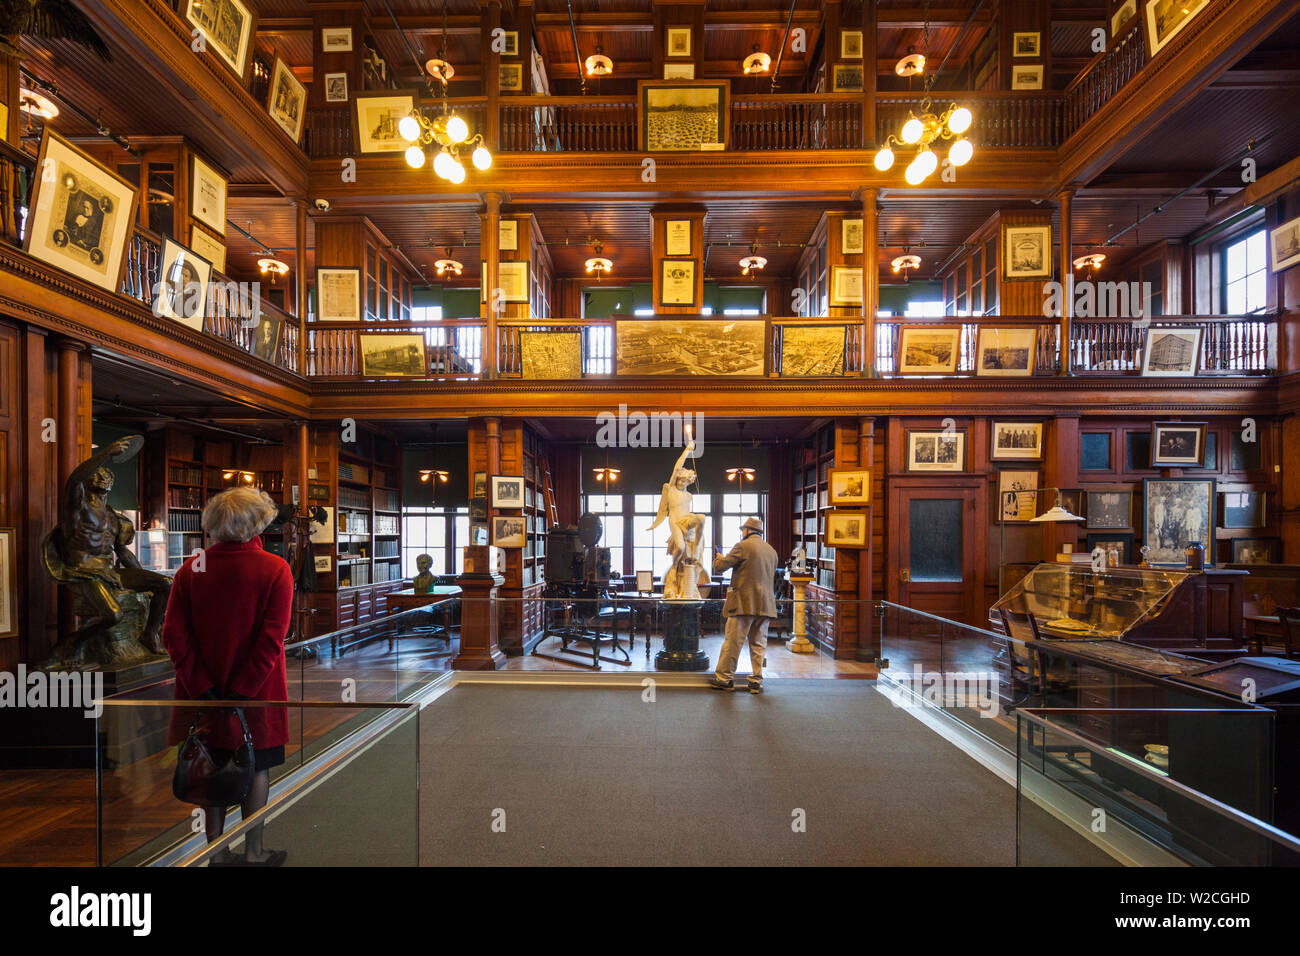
(200, 780)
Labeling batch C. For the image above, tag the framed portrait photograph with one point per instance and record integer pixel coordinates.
(207, 195)
(1176, 512)
(8, 583)
(851, 237)
(1007, 353)
(679, 71)
(677, 282)
(1017, 495)
(846, 285)
(508, 531)
(182, 293)
(847, 529)
(550, 355)
(928, 349)
(677, 237)
(936, 451)
(1027, 251)
(508, 235)
(336, 87)
(338, 295)
(513, 278)
(1256, 550)
(208, 247)
(1171, 352)
(512, 76)
(80, 215)
(683, 116)
(1027, 77)
(812, 350)
(1178, 444)
(850, 44)
(227, 28)
(287, 100)
(846, 78)
(266, 337)
(1244, 509)
(480, 486)
(1110, 510)
(1122, 16)
(677, 41)
(850, 486)
(1025, 44)
(1284, 245)
(1109, 539)
(392, 355)
(1165, 19)
(336, 39)
(507, 491)
(375, 118)
(1017, 441)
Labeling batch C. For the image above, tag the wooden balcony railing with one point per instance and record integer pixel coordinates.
(794, 121)
(1101, 80)
(1000, 119)
(453, 349)
(328, 132)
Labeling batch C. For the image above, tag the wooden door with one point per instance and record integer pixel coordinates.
(934, 554)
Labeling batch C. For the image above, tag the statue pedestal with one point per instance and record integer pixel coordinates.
(479, 650)
(681, 638)
(800, 644)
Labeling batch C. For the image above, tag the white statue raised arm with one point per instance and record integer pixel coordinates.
(685, 531)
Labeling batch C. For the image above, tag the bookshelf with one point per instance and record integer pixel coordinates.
(810, 496)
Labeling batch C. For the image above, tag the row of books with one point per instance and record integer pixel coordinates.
(350, 472)
(184, 521)
(354, 498)
(385, 549)
(388, 501)
(385, 524)
(351, 522)
(184, 497)
(185, 475)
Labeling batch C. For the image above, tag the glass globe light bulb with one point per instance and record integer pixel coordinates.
(884, 159)
(914, 173)
(457, 173)
(928, 162)
(409, 127)
(443, 163)
(961, 152)
(960, 120)
(912, 130)
(457, 129)
(414, 157)
(482, 158)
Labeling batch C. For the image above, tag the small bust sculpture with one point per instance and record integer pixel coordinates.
(424, 580)
(799, 561)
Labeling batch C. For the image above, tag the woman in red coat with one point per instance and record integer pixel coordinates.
(226, 622)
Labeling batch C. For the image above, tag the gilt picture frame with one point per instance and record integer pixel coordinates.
(683, 115)
(338, 295)
(286, 100)
(1165, 19)
(1027, 251)
(207, 195)
(375, 117)
(1284, 245)
(227, 30)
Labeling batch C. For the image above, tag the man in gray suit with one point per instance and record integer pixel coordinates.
(750, 607)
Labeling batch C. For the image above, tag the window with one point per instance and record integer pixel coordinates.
(1245, 273)
(609, 508)
(426, 313)
(439, 533)
(924, 310)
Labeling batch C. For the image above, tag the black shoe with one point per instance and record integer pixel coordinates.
(721, 685)
(755, 687)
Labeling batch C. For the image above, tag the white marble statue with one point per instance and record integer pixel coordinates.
(799, 561)
(686, 533)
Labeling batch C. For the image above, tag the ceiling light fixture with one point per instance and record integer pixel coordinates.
(905, 262)
(448, 130)
(598, 264)
(598, 64)
(449, 265)
(1092, 261)
(752, 262)
(607, 474)
(272, 267)
(740, 473)
(34, 104)
(911, 65)
(237, 475)
(757, 62)
(429, 474)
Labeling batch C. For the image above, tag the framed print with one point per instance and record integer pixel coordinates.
(478, 508)
(323, 563)
(392, 355)
(677, 237)
(1120, 19)
(1027, 252)
(1256, 550)
(287, 100)
(936, 451)
(1176, 512)
(336, 87)
(1108, 539)
(550, 354)
(1171, 352)
(336, 39)
(480, 485)
(266, 337)
(846, 78)
(182, 292)
(846, 529)
(850, 486)
(1017, 441)
(846, 285)
(508, 235)
(508, 532)
(207, 195)
(1165, 19)
(1006, 352)
(509, 42)
(677, 41)
(851, 237)
(324, 533)
(1244, 509)
(1025, 44)
(928, 350)
(209, 247)
(667, 346)
(8, 584)
(1110, 510)
(375, 120)
(512, 76)
(808, 350)
(81, 214)
(683, 116)
(338, 295)
(227, 28)
(645, 581)
(679, 71)
(513, 277)
(478, 534)
(1284, 245)
(507, 491)
(1026, 77)
(677, 282)
(1017, 495)
(1178, 443)
(850, 44)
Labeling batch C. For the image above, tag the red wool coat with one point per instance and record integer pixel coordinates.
(225, 629)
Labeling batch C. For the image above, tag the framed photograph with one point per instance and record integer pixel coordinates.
(677, 282)
(1110, 510)
(812, 350)
(478, 534)
(182, 292)
(1025, 44)
(336, 87)
(227, 28)
(1027, 77)
(677, 41)
(1178, 443)
(645, 581)
(81, 214)
(846, 78)
(287, 100)
(1165, 19)
(550, 355)
(208, 247)
(847, 529)
(8, 584)
(1176, 512)
(512, 77)
(850, 44)
(1244, 509)
(324, 563)
(851, 237)
(513, 278)
(392, 355)
(1006, 353)
(683, 116)
(846, 285)
(1108, 539)
(850, 486)
(508, 235)
(478, 508)
(936, 451)
(1284, 245)
(336, 39)
(1120, 19)
(507, 491)
(324, 533)
(667, 346)
(1017, 441)
(1017, 495)
(375, 120)
(338, 295)
(1171, 352)
(479, 488)
(508, 532)
(677, 237)
(207, 195)
(1027, 251)
(1256, 550)
(509, 42)
(266, 337)
(928, 350)
(679, 71)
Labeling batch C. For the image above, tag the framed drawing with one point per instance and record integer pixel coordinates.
(507, 491)
(182, 291)
(1017, 441)
(846, 285)
(375, 120)
(392, 355)
(1171, 352)
(1244, 509)
(508, 235)
(1178, 443)
(324, 533)
(287, 100)
(323, 563)
(677, 237)
(81, 214)
(550, 354)
(1027, 252)
(850, 486)
(509, 42)
(1017, 495)
(851, 237)
(850, 44)
(207, 195)
(1025, 44)
(479, 486)
(1176, 512)
(1006, 352)
(679, 71)
(1165, 19)
(513, 278)
(677, 41)
(683, 116)
(1284, 245)
(338, 295)
(677, 282)
(846, 78)
(666, 346)
(1110, 510)
(209, 247)
(1256, 550)
(508, 532)
(336, 40)
(227, 28)
(1120, 19)
(808, 350)
(1026, 77)
(846, 529)
(936, 451)
(8, 584)
(1108, 539)
(266, 337)
(478, 508)
(336, 87)
(512, 77)
(928, 350)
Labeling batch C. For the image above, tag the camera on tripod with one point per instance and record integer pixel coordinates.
(573, 557)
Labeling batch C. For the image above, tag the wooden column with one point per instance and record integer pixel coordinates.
(870, 276)
(488, 242)
(868, 638)
(66, 420)
(304, 452)
(40, 497)
(491, 61)
(1065, 273)
(300, 286)
(870, 51)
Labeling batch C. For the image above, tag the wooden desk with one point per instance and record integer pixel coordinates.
(406, 599)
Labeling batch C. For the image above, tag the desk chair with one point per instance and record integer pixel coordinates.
(1289, 617)
(1021, 628)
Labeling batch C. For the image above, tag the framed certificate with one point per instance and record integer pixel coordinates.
(512, 278)
(338, 295)
(677, 237)
(207, 195)
(508, 235)
(846, 285)
(677, 282)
